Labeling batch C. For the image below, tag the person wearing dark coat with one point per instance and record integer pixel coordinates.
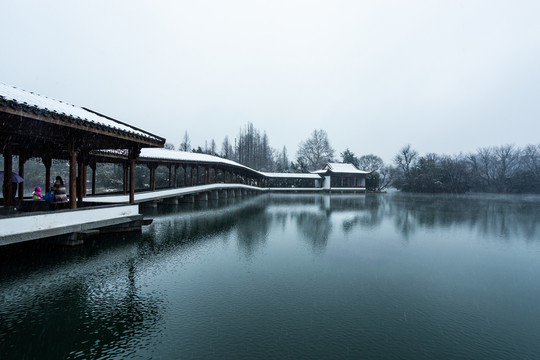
(59, 189)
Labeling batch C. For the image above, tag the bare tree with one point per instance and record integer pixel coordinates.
(370, 162)
(530, 160)
(169, 146)
(316, 151)
(405, 159)
(386, 178)
(226, 149)
(185, 145)
(483, 165)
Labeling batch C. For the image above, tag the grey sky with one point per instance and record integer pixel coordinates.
(444, 76)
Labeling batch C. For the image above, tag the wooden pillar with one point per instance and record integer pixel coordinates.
(72, 177)
(133, 153)
(184, 167)
(341, 180)
(206, 175)
(22, 160)
(150, 172)
(197, 179)
(7, 186)
(170, 175)
(191, 177)
(85, 174)
(93, 167)
(176, 175)
(152, 184)
(216, 173)
(154, 177)
(80, 179)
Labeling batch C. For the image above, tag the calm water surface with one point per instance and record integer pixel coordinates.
(288, 277)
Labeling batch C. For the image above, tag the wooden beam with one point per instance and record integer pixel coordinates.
(77, 125)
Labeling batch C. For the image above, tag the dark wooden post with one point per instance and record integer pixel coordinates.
(154, 167)
(184, 167)
(191, 177)
(93, 167)
(47, 162)
(22, 160)
(150, 172)
(133, 154)
(176, 175)
(216, 173)
(170, 175)
(132, 181)
(206, 175)
(72, 177)
(6, 186)
(80, 173)
(85, 174)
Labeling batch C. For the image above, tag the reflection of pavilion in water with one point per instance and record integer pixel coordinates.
(316, 216)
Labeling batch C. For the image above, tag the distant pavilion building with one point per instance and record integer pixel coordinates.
(342, 176)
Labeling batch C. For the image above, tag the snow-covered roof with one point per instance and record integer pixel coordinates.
(50, 106)
(165, 154)
(292, 175)
(344, 168)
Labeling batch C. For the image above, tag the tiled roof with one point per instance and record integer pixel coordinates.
(344, 168)
(37, 104)
(184, 156)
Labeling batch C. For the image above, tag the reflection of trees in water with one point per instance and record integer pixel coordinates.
(91, 292)
(101, 309)
(193, 223)
(252, 231)
(501, 217)
(316, 228)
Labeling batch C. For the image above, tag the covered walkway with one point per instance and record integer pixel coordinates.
(34, 126)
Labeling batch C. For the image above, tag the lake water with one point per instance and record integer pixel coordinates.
(387, 276)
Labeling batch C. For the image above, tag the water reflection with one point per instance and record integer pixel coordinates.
(85, 305)
(99, 301)
(490, 216)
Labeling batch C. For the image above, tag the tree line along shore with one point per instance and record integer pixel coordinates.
(496, 169)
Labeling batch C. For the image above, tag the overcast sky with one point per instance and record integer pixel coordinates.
(443, 76)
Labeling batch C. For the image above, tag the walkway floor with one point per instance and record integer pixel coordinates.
(168, 193)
